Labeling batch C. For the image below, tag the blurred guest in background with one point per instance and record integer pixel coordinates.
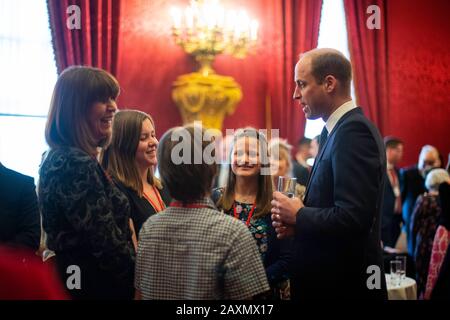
(303, 153)
(19, 214)
(281, 164)
(413, 184)
(300, 161)
(391, 218)
(441, 289)
(425, 217)
(314, 148)
(441, 239)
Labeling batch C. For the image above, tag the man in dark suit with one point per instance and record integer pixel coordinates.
(391, 218)
(413, 184)
(19, 213)
(337, 247)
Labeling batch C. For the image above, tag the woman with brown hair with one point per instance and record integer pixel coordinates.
(84, 214)
(247, 197)
(131, 160)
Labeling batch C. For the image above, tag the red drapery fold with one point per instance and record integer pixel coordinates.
(368, 51)
(95, 43)
(297, 22)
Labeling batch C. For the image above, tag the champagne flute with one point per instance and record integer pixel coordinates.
(286, 186)
(395, 275)
(402, 260)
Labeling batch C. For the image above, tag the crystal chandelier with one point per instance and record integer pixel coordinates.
(204, 30)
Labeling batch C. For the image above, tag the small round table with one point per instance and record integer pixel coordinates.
(407, 290)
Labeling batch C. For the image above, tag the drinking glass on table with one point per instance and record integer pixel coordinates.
(402, 260)
(286, 186)
(395, 276)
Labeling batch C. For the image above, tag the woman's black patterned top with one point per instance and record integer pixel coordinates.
(86, 218)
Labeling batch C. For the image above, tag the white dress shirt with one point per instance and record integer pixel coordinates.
(337, 114)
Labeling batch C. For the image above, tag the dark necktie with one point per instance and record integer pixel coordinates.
(323, 138)
(396, 188)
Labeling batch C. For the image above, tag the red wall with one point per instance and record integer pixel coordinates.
(419, 74)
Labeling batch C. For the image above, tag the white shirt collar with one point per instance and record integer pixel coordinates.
(338, 114)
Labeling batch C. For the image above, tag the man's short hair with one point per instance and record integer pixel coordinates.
(304, 141)
(186, 182)
(391, 142)
(331, 63)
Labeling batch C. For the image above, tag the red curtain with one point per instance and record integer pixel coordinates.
(95, 43)
(293, 26)
(368, 51)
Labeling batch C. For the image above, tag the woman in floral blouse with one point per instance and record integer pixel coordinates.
(247, 197)
(84, 214)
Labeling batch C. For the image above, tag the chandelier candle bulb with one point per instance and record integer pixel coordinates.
(175, 13)
(204, 30)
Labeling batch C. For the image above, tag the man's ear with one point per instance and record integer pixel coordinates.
(330, 83)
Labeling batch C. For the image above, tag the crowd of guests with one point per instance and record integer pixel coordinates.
(415, 220)
(195, 230)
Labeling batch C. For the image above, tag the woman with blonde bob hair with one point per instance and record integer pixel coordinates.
(84, 214)
(247, 197)
(281, 163)
(131, 160)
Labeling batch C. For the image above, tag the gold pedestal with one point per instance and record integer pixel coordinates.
(206, 97)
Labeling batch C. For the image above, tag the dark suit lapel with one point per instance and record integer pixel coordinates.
(322, 149)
